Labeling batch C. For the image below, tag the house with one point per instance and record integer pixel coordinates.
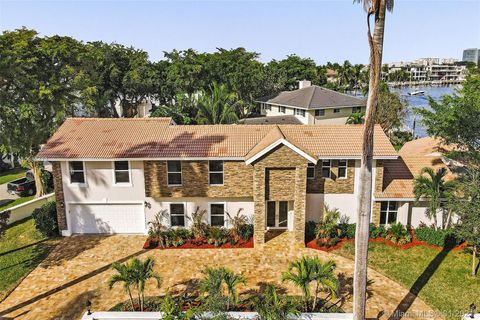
(312, 104)
(114, 175)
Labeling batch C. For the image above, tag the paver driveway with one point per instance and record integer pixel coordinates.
(78, 269)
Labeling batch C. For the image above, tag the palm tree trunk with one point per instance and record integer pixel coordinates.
(139, 300)
(474, 260)
(315, 298)
(131, 298)
(366, 176)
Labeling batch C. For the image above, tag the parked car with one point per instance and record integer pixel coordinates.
(26, 186)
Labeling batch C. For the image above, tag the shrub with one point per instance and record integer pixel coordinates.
(199, 227)
(246, 231)
(156, 226)
(397, 233)
(439, 238)
(173, 237)
(237, 222)
(46, 219)
(272, 306)
(217, 236)
(378, 232)
(350, 231)
(310, 230)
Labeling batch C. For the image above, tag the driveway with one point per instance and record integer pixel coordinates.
(78, 268)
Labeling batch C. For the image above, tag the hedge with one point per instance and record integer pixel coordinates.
(438, 238)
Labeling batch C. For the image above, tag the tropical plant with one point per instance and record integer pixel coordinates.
(377, 9)
(431, 186)
(307, 270)
(135, 273)
(397, 233)
(156, 226)
(328, 226)
(237, 223)
(171, 310)
(232, 280)
(198, 225)
(217, 106)
(355, 118)
(217, 236)
(215, 278)
(272, 306)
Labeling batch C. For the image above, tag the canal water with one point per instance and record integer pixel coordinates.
(420, 101)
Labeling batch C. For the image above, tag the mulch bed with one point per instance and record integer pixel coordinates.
(414, 243)
(200, 243)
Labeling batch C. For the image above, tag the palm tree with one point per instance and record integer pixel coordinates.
(143, 271)
(232, 280)
(355, 118)
(124, 275)
(307, 270)
(272, 306)
(433, 187)
(217, 106)
(215, 278)
(377, 9)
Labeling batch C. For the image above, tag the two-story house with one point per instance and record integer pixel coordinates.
(114, 175)
(311, 104)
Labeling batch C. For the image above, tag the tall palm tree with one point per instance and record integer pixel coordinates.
(124, 275)
(143, 271)
(432, 186)
(377, 9)
(307, 270)
(217, 106)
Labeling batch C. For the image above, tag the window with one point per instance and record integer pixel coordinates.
(277, 214)
(281, 109)
(336, 110)
(342, 168)
(217, 214)
(326, 165)
(311, 171)
(356, 109)
(388, 212)
(174, 173)
(177, 215)
(267, 107)
(300, 112)
(122, 171)
(215, 172)
(320, 113)
(77, 172)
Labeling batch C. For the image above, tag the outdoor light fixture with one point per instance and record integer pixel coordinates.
(473, 307)
(89, 307)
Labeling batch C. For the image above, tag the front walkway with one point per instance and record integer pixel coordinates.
(78, 269)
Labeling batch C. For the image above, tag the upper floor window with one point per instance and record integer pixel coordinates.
(356, 109)
(77, 172)
(320, 113)
(281, 109)
(336, 110)
(326, 166)
(217, 214)
(177, 214)
(174, 173)
(215, 171)
(122, 171)
(300, 112)
(342, 168)
(311, 170)
(388, 212)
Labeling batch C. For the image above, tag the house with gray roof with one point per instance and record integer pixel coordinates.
(312, 104)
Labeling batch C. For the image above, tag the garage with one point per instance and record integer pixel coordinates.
(107, 218)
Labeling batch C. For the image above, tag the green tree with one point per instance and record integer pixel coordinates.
(124, 275)
(217, 106)
(377, 10)
(182, 109)
(454, 119)
(185, 71)
(307, 270)
(467, 206)
(212, 284)
(432, 187)
(296, 68)
(355, 118)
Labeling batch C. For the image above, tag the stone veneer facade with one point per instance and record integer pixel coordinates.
(332, 184)
(378, 188)
(59, 197)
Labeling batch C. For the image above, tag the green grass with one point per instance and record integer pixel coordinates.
(11, 175)
(445, 285)
(16, 201)
(22, 248)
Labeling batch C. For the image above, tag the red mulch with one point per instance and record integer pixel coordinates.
(201, 243)
(414, 243)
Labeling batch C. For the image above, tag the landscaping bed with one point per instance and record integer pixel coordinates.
(199, 243)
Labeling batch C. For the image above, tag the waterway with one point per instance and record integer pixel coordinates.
(420, 101)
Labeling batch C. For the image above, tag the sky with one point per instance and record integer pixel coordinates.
(322, 30)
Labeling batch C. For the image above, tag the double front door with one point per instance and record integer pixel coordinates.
(277, 214)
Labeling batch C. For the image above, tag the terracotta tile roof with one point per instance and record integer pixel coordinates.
(314, 97)
(88, 138)
(426, 146)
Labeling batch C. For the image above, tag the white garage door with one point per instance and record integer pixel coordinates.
(107, 218)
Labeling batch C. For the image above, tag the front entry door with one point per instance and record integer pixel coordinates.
(277, 214)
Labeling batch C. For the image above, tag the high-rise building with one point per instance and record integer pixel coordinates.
(471, 55)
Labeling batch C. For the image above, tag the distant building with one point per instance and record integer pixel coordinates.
(471, 55)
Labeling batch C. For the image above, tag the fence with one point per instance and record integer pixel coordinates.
(25, 209)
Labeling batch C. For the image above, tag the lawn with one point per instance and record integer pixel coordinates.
(11, 175)
(22, 248)
(442, 278)
(16, 201)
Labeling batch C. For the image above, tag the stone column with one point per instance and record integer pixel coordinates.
(59, 197)
(300, 204)
(259, 205)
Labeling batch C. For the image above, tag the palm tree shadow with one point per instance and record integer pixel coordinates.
(418, 285)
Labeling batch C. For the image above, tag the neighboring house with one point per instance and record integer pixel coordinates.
(397, 193)
(114, 175)
(312, 105)
(291, 119)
